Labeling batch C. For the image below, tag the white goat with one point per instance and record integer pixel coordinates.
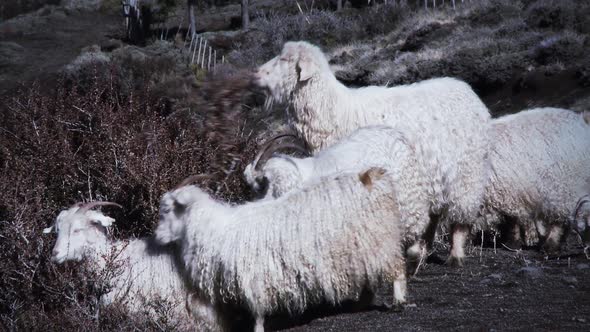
(449, 120)
(540, 164)
(140, 271)
(326, 242)
(372, 146)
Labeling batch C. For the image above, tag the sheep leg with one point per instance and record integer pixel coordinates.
(400, 288)
(259, 324)
(553, 239)
(513, 236)
(459, 236)
(416, 254)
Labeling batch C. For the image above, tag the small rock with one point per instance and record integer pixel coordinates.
(582, 266)
(485, 281)
(491, 278)
(570, 280)
(530, 272)
(411, 305)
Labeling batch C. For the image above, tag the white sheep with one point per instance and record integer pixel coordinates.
(449, 119)
(372, 146)
(540, 164)
(139, 271)
(325, 243)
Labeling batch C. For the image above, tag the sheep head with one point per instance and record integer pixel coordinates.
(79, 230)
(174, 212)
(298, 63)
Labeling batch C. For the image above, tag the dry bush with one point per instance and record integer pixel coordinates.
(322, 27)
(61, 143)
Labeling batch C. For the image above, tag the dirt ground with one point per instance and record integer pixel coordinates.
(497, 290)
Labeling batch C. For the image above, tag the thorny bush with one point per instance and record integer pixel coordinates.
(76, 143)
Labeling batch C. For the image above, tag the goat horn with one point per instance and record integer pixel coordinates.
(581, 201)
(87, 206)
(293, 146)
(192, 179)
(267, 144)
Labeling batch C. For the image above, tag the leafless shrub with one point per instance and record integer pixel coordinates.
(72, 143)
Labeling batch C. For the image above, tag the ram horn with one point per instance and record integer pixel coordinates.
(87, 206)
(267, 145)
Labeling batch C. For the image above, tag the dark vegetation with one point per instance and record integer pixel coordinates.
(130, 128)
(86, 140)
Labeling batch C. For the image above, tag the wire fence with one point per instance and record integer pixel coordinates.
(197, 48)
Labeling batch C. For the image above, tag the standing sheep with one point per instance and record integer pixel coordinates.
(142, 271)
(327, 242)
(449, 120)
(372, 146)
(540, 163)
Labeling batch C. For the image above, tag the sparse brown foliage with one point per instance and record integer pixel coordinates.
(68, 143)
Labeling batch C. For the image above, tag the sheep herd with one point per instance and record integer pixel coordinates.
(386, 167)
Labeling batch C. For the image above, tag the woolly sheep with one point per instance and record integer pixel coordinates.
(140, 271)
(326, 242)
(448, 117)
(372, 146)
(540, 163)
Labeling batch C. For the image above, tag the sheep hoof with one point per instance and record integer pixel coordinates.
(455, 261)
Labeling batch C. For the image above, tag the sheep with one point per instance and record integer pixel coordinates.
(372, 146)
(328, 242)
(449, 118)
(539, 160)
(140, 271)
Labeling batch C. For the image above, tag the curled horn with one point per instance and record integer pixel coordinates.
(293, 146)
(267, 145)
(581, 201)
(192, 179)
(87, 206)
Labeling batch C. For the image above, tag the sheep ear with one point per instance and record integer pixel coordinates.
(48, 230)
(371, 175)
(306, 67)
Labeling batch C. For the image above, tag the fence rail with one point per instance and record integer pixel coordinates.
(199, 52)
